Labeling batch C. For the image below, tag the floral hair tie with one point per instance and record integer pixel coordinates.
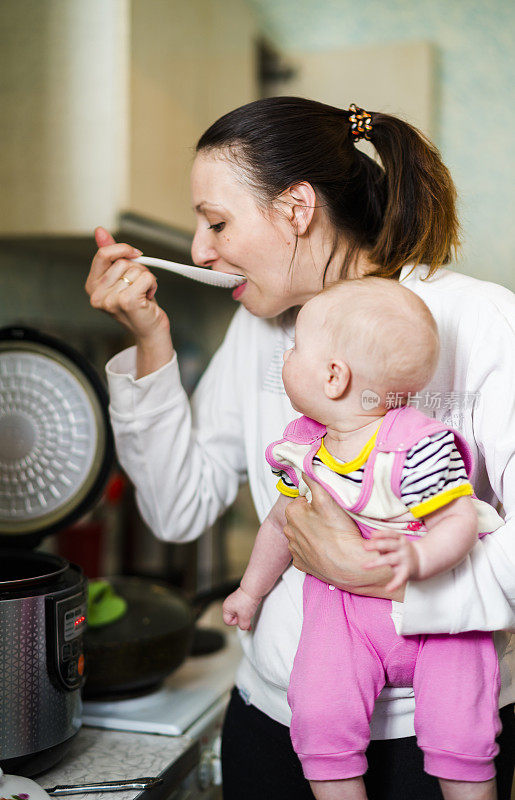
(360, 122)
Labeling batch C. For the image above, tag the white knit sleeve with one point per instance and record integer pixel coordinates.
(480, 593)
(185, 458)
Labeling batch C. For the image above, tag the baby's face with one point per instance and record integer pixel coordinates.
(305, 363)
(378, 334)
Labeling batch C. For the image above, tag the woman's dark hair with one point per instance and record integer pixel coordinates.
(403, 212)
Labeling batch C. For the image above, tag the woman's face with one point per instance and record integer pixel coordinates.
(234, 235)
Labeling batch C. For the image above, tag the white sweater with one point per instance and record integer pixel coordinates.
(187, 459)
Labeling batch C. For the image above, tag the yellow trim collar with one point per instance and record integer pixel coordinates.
(343, 467)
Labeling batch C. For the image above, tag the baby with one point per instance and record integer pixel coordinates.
(404, 479)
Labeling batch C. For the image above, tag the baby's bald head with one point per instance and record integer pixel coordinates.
(383, 331)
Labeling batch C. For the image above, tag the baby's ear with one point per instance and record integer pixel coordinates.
(337, 379)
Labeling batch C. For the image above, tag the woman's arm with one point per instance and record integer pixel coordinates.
(185, 459)
(479, 594)
(325, 542)
(181, 485)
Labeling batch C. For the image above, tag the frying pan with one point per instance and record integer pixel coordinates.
(134, 654)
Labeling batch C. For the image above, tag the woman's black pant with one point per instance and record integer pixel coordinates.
(259, 763)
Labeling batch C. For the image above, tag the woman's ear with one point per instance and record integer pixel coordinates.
(300, 201)
(337, 379)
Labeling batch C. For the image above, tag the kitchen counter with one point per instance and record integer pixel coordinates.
(98, 754)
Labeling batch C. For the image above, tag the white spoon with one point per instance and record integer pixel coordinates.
(223, 279)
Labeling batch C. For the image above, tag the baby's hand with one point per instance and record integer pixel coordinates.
(239, 608)
(399, 552)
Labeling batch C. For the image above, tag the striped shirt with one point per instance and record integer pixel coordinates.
(432, 476)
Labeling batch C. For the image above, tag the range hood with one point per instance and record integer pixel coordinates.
(153, 238)
(132, 227)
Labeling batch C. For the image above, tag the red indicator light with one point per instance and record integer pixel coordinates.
(79, 620)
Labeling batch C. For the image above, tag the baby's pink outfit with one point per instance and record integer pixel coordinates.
(349, 648)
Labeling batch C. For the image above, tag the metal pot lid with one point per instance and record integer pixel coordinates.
(56, 445)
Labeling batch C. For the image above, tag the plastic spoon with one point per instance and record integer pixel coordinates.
(211, 276)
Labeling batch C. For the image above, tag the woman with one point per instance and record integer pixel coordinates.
(283, 197)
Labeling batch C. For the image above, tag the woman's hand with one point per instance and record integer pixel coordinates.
(326, 542)
(132, 305)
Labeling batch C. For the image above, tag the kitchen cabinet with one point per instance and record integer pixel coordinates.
(396, 78)
(103, 102)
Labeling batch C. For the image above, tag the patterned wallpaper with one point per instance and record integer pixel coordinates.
(475, 108)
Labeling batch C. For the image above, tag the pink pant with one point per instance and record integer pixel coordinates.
(347, 652)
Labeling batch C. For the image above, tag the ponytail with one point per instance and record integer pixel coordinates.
(403, 212)
(420, 224)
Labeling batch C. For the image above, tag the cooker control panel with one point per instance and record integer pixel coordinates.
(70, 624)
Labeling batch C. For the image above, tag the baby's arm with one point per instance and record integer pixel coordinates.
(451, 535)
(269, 558)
